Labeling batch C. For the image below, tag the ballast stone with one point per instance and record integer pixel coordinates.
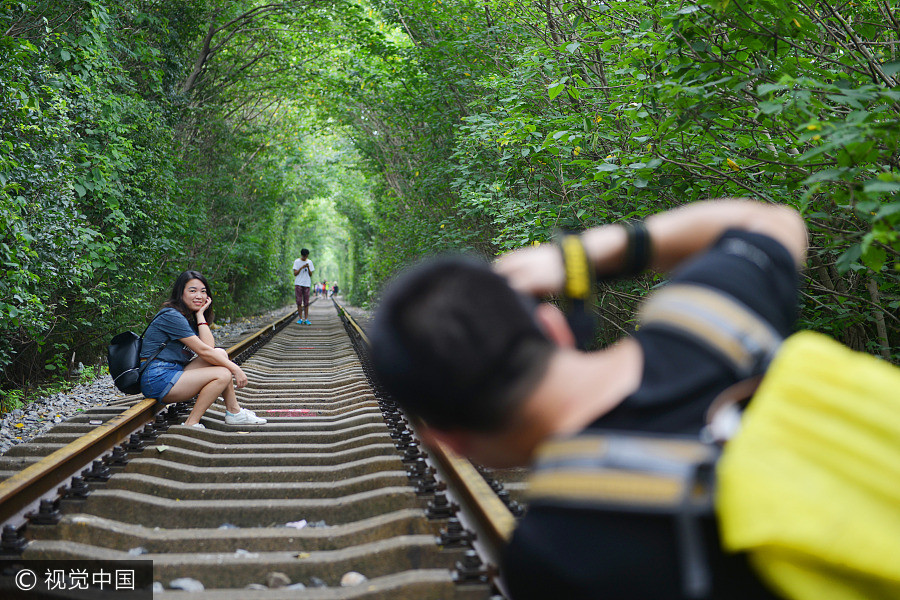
(186, 584)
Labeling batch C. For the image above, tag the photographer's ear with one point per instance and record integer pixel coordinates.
(553, 323)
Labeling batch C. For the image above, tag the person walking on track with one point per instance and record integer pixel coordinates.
(303, 268)
(190, 365)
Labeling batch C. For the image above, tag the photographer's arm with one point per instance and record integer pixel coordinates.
(675, 235)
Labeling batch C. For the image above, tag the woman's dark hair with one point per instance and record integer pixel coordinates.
(178, 304)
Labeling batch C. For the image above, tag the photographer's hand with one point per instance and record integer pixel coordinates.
(537, 271)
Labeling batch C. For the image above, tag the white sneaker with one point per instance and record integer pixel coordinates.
(245, 417)
(198, 426)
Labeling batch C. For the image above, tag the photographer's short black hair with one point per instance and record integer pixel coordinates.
(304, 252)
(456, 346)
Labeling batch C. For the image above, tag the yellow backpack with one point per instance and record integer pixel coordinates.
(809, 487)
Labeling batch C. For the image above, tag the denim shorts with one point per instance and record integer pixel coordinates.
(159, 377)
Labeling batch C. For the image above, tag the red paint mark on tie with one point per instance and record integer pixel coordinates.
(289, 412)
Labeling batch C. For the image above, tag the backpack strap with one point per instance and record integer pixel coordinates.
(152, 356)
(717, 321)
(156, 316)
(617, 469)
(158, 350)
(630, 473)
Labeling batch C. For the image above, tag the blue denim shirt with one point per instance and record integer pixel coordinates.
(169, 325)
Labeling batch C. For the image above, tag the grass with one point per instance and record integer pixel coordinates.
(17, 398)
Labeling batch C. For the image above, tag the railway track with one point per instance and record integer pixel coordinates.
(332, 498)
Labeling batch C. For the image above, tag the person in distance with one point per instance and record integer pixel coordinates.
(303, 268)
(462, 345)
(190, 364)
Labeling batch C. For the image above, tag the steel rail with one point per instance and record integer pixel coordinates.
(494, 519)
(30, 484)
(247, 342)
(353, 323)
(27, 486)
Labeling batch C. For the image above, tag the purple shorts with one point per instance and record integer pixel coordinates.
(301, 293)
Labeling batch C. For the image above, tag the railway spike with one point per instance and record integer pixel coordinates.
(412, 454)
(429, 485)
(516, 509)
(78, 490)
(118, 457)
(47, 514)
(470, 569)
(12, 542)
(134, 443)
(160, 424)
(97, 472)
(440, 507)
(148, 434)
(454, 535)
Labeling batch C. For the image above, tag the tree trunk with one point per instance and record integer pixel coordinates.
(191, 81)
(884, 346)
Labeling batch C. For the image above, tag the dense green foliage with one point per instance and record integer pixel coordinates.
(83, 162)
(140, 138)
(497, 122)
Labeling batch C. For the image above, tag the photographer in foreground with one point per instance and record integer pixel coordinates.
(494, 375)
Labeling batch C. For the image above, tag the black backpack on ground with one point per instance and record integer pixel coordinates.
(124, 359)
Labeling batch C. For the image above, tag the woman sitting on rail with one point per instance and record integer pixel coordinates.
(176, 374)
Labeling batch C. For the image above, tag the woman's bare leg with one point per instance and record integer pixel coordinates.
(207, 382)
(231, 403)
